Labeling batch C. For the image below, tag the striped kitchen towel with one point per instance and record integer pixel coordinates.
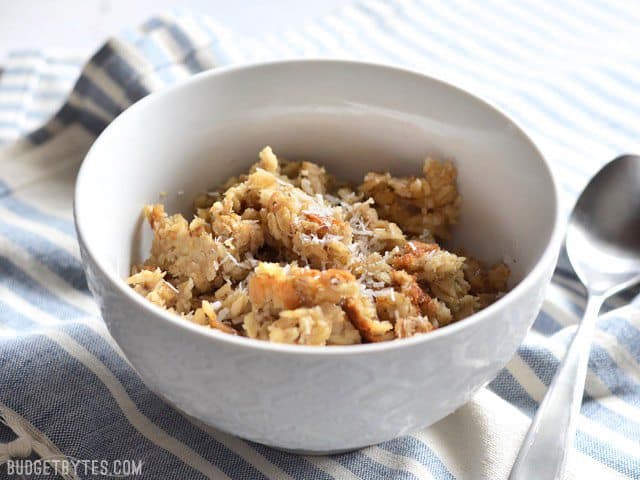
(567, 71)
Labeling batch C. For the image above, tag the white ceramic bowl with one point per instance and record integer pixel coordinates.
(353, 118)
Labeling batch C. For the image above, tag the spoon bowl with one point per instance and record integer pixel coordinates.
(603, 237)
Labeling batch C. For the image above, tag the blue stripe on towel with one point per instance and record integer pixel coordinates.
(56, 259)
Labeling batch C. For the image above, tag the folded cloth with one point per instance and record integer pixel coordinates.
(567, 72)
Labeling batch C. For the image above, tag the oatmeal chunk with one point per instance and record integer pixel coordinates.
(416, 204)
(362, 313)
(184, 299)
(302, 227)
(481, 280)
(275, 288)
(205, 315)
(190, 251)
(342, 330)
(234, 302)
(370, 233)
(498, 275)
(152, 285)
(440, 270)
(308, 177)
(268, 160)
(320, 325)
(305, 326)
(409, 326)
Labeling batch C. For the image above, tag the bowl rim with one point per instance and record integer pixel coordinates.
(550, 251)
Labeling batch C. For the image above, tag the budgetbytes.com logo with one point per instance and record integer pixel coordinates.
(69, 467)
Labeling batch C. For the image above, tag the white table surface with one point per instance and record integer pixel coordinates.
(82, 25)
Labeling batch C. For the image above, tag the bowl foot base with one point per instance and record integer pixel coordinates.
(315, 452)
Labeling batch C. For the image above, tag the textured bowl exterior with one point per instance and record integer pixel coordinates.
(313, 402)
(304, 398)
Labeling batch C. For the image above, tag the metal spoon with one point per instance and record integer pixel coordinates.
(603, 244)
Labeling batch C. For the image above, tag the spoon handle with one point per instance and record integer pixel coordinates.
(544, 451)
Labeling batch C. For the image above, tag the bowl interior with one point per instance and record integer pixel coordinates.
(352, 118)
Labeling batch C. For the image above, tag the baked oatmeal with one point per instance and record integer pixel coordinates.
(287, 253)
